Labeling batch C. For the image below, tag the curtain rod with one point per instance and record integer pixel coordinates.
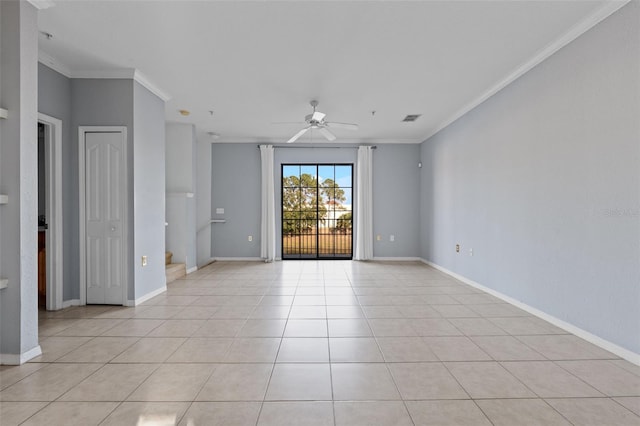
(322, 147)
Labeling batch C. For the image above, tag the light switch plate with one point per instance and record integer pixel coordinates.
(220, 210)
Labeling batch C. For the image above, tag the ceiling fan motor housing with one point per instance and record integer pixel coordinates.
(315, 120)
(313, 123)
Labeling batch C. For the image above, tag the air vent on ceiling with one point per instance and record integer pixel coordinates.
(411, 117)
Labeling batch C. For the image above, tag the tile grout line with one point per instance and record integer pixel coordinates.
(326, 311)
(273, 366)
(384, 359)
(397, 287)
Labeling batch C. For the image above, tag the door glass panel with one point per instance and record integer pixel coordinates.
(289, 172)
(316, 211)
(309, 170)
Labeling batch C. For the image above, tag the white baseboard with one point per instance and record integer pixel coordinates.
(69, 303)
(238, 259)
(589, 337)
(190, 270)
(146, 297)
(397, 259)
(19, 359)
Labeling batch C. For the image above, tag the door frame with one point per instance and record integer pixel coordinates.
(53, 173)
(82, 132)
(317, 256)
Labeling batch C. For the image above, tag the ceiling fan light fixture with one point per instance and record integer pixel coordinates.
(318, 116)
(316, 121)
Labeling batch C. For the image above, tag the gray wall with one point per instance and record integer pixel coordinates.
(180, 156)
(235, 186)
(543, 182)
(148, 190)
(203, 203)
(112, 102)
(396, 204)
(19, 180)
(180, 179)
(54, 99)
(180, 234)
(97, 102)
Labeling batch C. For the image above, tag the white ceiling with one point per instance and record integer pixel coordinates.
(255, 63)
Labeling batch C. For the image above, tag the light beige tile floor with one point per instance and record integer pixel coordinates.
(316, 343)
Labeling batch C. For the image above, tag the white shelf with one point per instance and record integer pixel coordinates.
(180, 194)
(4, 199)
(4, 283)
(3, 113)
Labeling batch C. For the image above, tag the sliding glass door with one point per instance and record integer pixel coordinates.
(317, 211)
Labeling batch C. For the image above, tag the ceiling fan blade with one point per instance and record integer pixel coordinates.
(327, 134)
(297, 135)
(318, 116)
(288, 122)
(348, 126)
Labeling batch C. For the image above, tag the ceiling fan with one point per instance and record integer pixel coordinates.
(316, 120)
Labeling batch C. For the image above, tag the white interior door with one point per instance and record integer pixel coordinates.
(104, 201)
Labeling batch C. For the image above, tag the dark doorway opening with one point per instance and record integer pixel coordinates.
(42, 219)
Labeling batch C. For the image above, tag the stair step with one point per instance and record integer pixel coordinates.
(174, 271)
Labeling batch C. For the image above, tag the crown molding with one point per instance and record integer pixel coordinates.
(150, 86)
(573, 33)
(316, 143)
(53, 63)
(42, 4)
(123, 73)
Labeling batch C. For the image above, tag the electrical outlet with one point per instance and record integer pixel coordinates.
(378, 238)
(250, 238)
(470, 252)
(457, 248)
(392, 238)
(144, 260)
